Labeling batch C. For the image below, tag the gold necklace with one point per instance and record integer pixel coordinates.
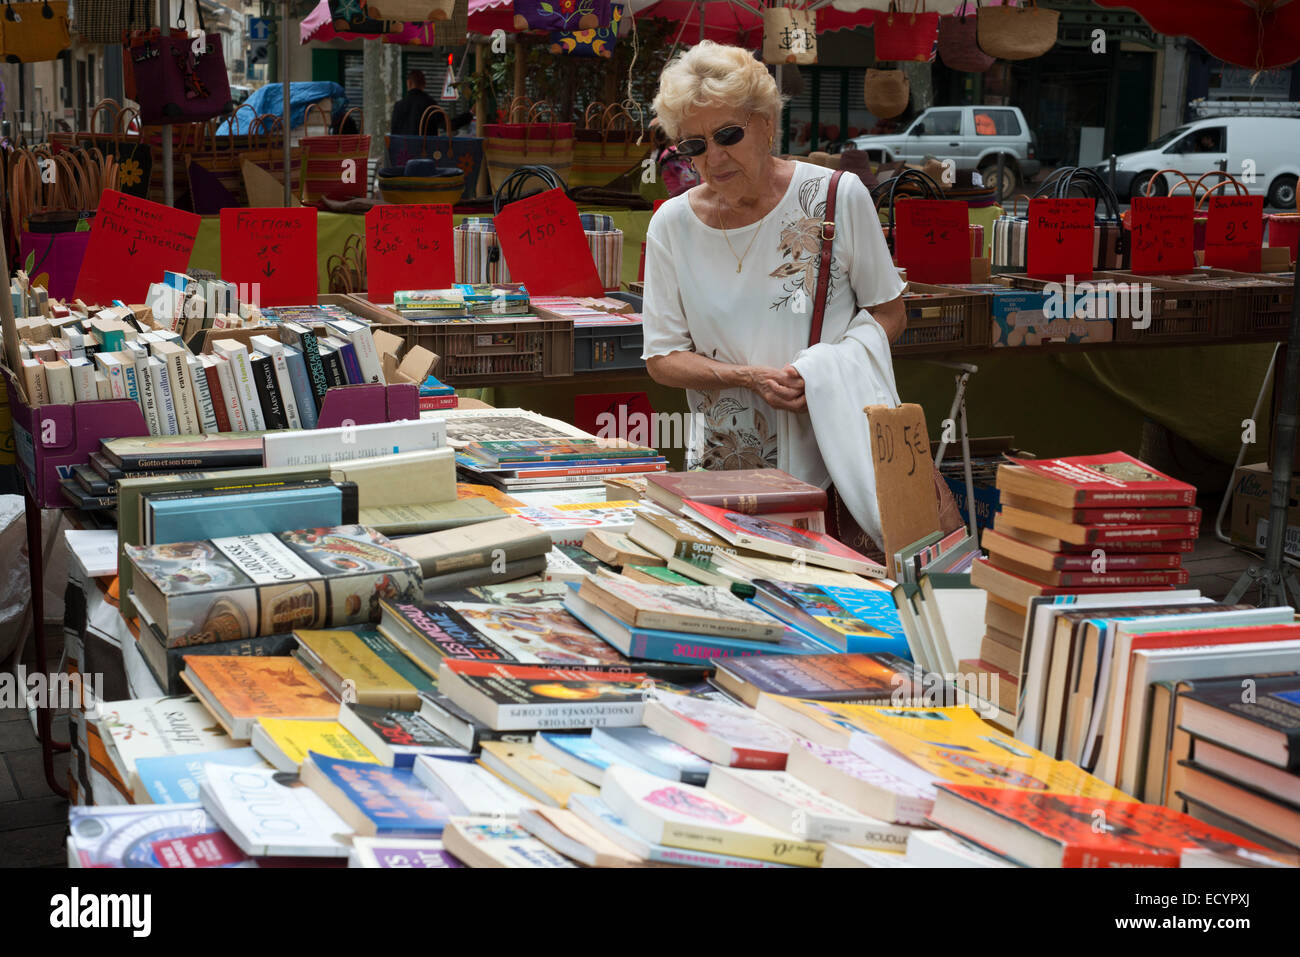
(740, 260)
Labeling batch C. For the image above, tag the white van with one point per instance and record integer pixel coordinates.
(1263, 152)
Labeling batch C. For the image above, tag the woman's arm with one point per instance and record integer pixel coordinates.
(892, 317)
(779, 388)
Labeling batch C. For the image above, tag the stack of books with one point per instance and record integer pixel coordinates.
(1081, 525)
(464, 302)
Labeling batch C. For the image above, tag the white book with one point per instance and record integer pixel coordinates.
(148, 395)
(846, 855)
(267, 818)
(58, 377)
(83, 378)
(76, 343)
(102, 387)
(242, 371)
(202, 396)
(275, 349)
(320, 446)
(182, 385)
(156, 727)
(111, 366)
(783, 801)
(886, 787)
(162, 386)
(230, 395)
(358, 333)
(491, 842)
(929, 848)
(468, 789)
(561, 568)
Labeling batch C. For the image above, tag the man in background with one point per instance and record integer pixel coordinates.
(409, 109)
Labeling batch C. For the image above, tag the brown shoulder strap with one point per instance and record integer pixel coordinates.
(824, 265)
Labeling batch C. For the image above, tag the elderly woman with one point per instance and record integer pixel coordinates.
(732, 266)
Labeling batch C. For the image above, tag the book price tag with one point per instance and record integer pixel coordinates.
(273, 251)
(543, 244)
(1060, 238)
(932, 240)
(408, 247)
(1162, 234)
(1234, 232)
(132, 243)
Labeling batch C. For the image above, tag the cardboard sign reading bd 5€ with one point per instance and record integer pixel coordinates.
(905, 493)
(408, 247)
(273, 251)
(545, 248)
(132, 243)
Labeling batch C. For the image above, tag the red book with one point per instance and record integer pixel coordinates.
(783, 541)
(1017, 590)
(218, 397)
(1133, 547)
(748, 491)
(1094, 481)
(1118, 535)
(1043, 829)
(1024, 554)
(1088, 578)
(1105, 516)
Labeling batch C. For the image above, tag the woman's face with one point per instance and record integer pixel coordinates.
(735, 171)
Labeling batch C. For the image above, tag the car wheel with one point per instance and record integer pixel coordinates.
(1139, 187)
(1281, 195)
(1004, 189)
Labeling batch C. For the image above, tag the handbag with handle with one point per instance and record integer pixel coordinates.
(463, 152)
(179, 78)
(959, 47)
(906, 35)
(1016, 33)
(886, 92)
(603, 154)
(598, 42)
(509, 146)
(789, 36)
(566, 15)
(334, 164)
(35, 32)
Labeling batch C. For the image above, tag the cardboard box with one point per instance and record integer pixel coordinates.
(1019, 319)
(1252, 487)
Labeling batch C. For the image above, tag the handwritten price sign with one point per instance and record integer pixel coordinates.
(544, 246)
(1060, 238)
(1234, 232)
(1162, 234)
(408, 247)
(932, 240)
(132, 242)
(274, 248)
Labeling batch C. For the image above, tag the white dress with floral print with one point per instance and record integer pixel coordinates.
(696, 302)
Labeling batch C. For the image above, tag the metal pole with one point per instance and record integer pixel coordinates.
(169, 187)
(284, 83)
(1112, 172)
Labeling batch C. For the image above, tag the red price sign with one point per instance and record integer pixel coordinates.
(132, 243)
(543, 244)
(408, 247)
(1162, 234)
(1060, 238)
(1234, 232)
(932, 240)
(273, 252)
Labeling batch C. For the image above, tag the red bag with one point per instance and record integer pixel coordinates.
(907, 36)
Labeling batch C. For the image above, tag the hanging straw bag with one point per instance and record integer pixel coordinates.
(508, 146)
(602, 154)
(334, 164)
(1016, 33)
(789, 36)
(886, 92)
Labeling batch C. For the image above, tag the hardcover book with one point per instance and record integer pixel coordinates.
(375, 800)
(853, 678)
(184, 452)
(246, 509)
(1264, 724)
(748, 491)
(480, 545)
(848, 619)
(239, 691)
(247, 585)
(353, 671)
(1094, 481)
(705, 610)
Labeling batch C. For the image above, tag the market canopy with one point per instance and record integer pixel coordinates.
(1256, 34)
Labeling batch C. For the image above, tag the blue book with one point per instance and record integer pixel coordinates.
(857, 620)
(373, 799)
(195, 515)
(650, 751)
(576, 753)
(351, 365)
(654, 644)
(303, 397)
(175, 778)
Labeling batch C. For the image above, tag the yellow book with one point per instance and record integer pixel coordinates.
(523, 768)
(284, 742)
(353, 671)
(953, 744)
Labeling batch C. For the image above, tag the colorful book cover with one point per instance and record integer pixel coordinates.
(569, 524)
(175, 778)
(535, 635)
(706, 609)
(404, 733)
(651, 751)
(495, 843)
(581, 747)
(176, 836)
(392, 656)
(539, 450)
(252, 688)
(357, 673)
(849, 677)
(1131, 834)
(1114, 478)
(860, 620)
(750, 491)
(396, 852)
(391, 799)
(154, 727)
(296, 738)
(754, 531)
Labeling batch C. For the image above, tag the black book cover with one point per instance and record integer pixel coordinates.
(309, 346)
(268, 391)
(154, 650)
(333, 363)
(92, 481)
(82, 499)
(1271, 702)
(106, 469)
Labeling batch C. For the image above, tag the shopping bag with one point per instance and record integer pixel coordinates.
(959, 47)
(35, 32)
(508, 146)
(557, 15)
(335, 164)
(906, 35)
(179, 78)
(789, 36)
(886, 92)
(463, 152)
(1016, 33)
(608, 151)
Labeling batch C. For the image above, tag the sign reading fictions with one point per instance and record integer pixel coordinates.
(900, 452)
(1162, 234)
(272, 250)
(543, 244)
(932, 240)
(1234, 232)
(1060, 238)
(408, 247)
(132, 243)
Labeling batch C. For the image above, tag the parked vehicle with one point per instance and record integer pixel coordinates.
(1260, 151)
(972, 136)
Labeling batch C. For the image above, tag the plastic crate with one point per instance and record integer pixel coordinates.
(604, 348)
(505, 350)
(949, 319)
(1261, 304)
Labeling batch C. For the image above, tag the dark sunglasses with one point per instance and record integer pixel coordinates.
(727, 136)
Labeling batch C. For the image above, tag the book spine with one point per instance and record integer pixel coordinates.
(1116, 563)
(333, 364)
(148, 395)
(242, 369)
(371, 368)
(610, 714)
(264, 646)
(129, 382)
(115, 381)
(219, 404)
(166, 406)
(1141, 516)
(311, 355)
(768, 503)
(300, 382)
(658, 648)
(268, 392)
(351, 364)
(1139, 533)
(59, 379)
(230, 391)
(284, 386)
(202, 397)
(178, 370)
(778, 850)
(1087, 579)
(83, 379)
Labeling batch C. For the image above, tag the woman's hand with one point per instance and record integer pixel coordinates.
(779, 388)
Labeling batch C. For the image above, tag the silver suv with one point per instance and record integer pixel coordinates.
(971, 136)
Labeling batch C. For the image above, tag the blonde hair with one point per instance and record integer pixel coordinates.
(714, 74)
